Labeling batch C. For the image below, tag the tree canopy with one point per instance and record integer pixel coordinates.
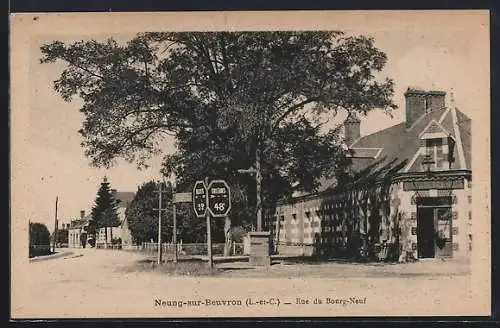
(225, 97)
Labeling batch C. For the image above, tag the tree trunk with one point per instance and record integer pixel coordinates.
(105, 237)
(111, 236)
(277, 237)
(227, 234)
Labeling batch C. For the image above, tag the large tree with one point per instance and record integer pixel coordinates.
(231, 100)
(104, 212)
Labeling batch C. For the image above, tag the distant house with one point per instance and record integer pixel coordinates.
(77, 231)
(410, 189)
(78, 234)
(121, 230)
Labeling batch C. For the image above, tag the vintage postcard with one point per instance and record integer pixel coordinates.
(250, 164)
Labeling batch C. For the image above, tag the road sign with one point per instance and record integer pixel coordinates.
(219, 198)
(200, 198)
(183, 197)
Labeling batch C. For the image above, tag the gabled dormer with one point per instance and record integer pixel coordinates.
(438, 144)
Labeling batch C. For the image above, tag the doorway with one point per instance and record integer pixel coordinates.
(434, 220)
(425, 232)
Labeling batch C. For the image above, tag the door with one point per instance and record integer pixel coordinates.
(425, 232)
(444, 247)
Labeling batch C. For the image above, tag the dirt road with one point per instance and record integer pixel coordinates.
(94, 283)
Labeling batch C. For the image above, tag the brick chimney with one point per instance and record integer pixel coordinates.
(351, 129)
(435, 100)
(420, 102)
(82, 214)
(416, 105)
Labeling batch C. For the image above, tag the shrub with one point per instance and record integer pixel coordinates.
(39, 239)
(116, 241)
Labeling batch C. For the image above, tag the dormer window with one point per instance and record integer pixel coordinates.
(438, 145)
(434, 151)
(440, 151)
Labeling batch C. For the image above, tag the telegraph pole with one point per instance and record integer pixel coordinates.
(160, 191)
(174, 219)
(55, 228)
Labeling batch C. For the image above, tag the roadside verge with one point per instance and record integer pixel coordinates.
(54, 256)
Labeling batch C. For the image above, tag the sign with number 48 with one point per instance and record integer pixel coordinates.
(219, 198)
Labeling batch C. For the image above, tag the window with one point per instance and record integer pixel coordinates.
(434, 149)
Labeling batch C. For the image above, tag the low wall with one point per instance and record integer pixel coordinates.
(192, 249)
(295, 250)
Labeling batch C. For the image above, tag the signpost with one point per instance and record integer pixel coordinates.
(183, 197)
(200, 198)
(219, 198)
(160, 191)
(214, 200)
(179, 197)
(200, 209)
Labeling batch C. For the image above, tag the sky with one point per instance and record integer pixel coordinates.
(441, 52)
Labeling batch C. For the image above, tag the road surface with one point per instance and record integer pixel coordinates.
(99, 283)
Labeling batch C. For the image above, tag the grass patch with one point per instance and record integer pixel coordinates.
(181, 268)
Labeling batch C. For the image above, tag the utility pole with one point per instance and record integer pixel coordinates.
(55, 228)
(278, 226)
(209, 233)
(29, 238)
(174, 219)
(160, 191)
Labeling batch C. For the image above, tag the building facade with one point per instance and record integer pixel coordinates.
(409, 195)
(77, 232)
(105, 238)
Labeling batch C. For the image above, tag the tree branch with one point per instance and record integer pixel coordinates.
(291, 110)
(84, 69)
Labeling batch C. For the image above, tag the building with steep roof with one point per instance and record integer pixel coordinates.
(121, 229)
(409, 192)
(77, 232)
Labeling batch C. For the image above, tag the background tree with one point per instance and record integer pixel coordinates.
(231, 100)
(104, 211)
(143, 218)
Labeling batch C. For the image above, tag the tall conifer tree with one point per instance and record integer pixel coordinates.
(104, 211)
